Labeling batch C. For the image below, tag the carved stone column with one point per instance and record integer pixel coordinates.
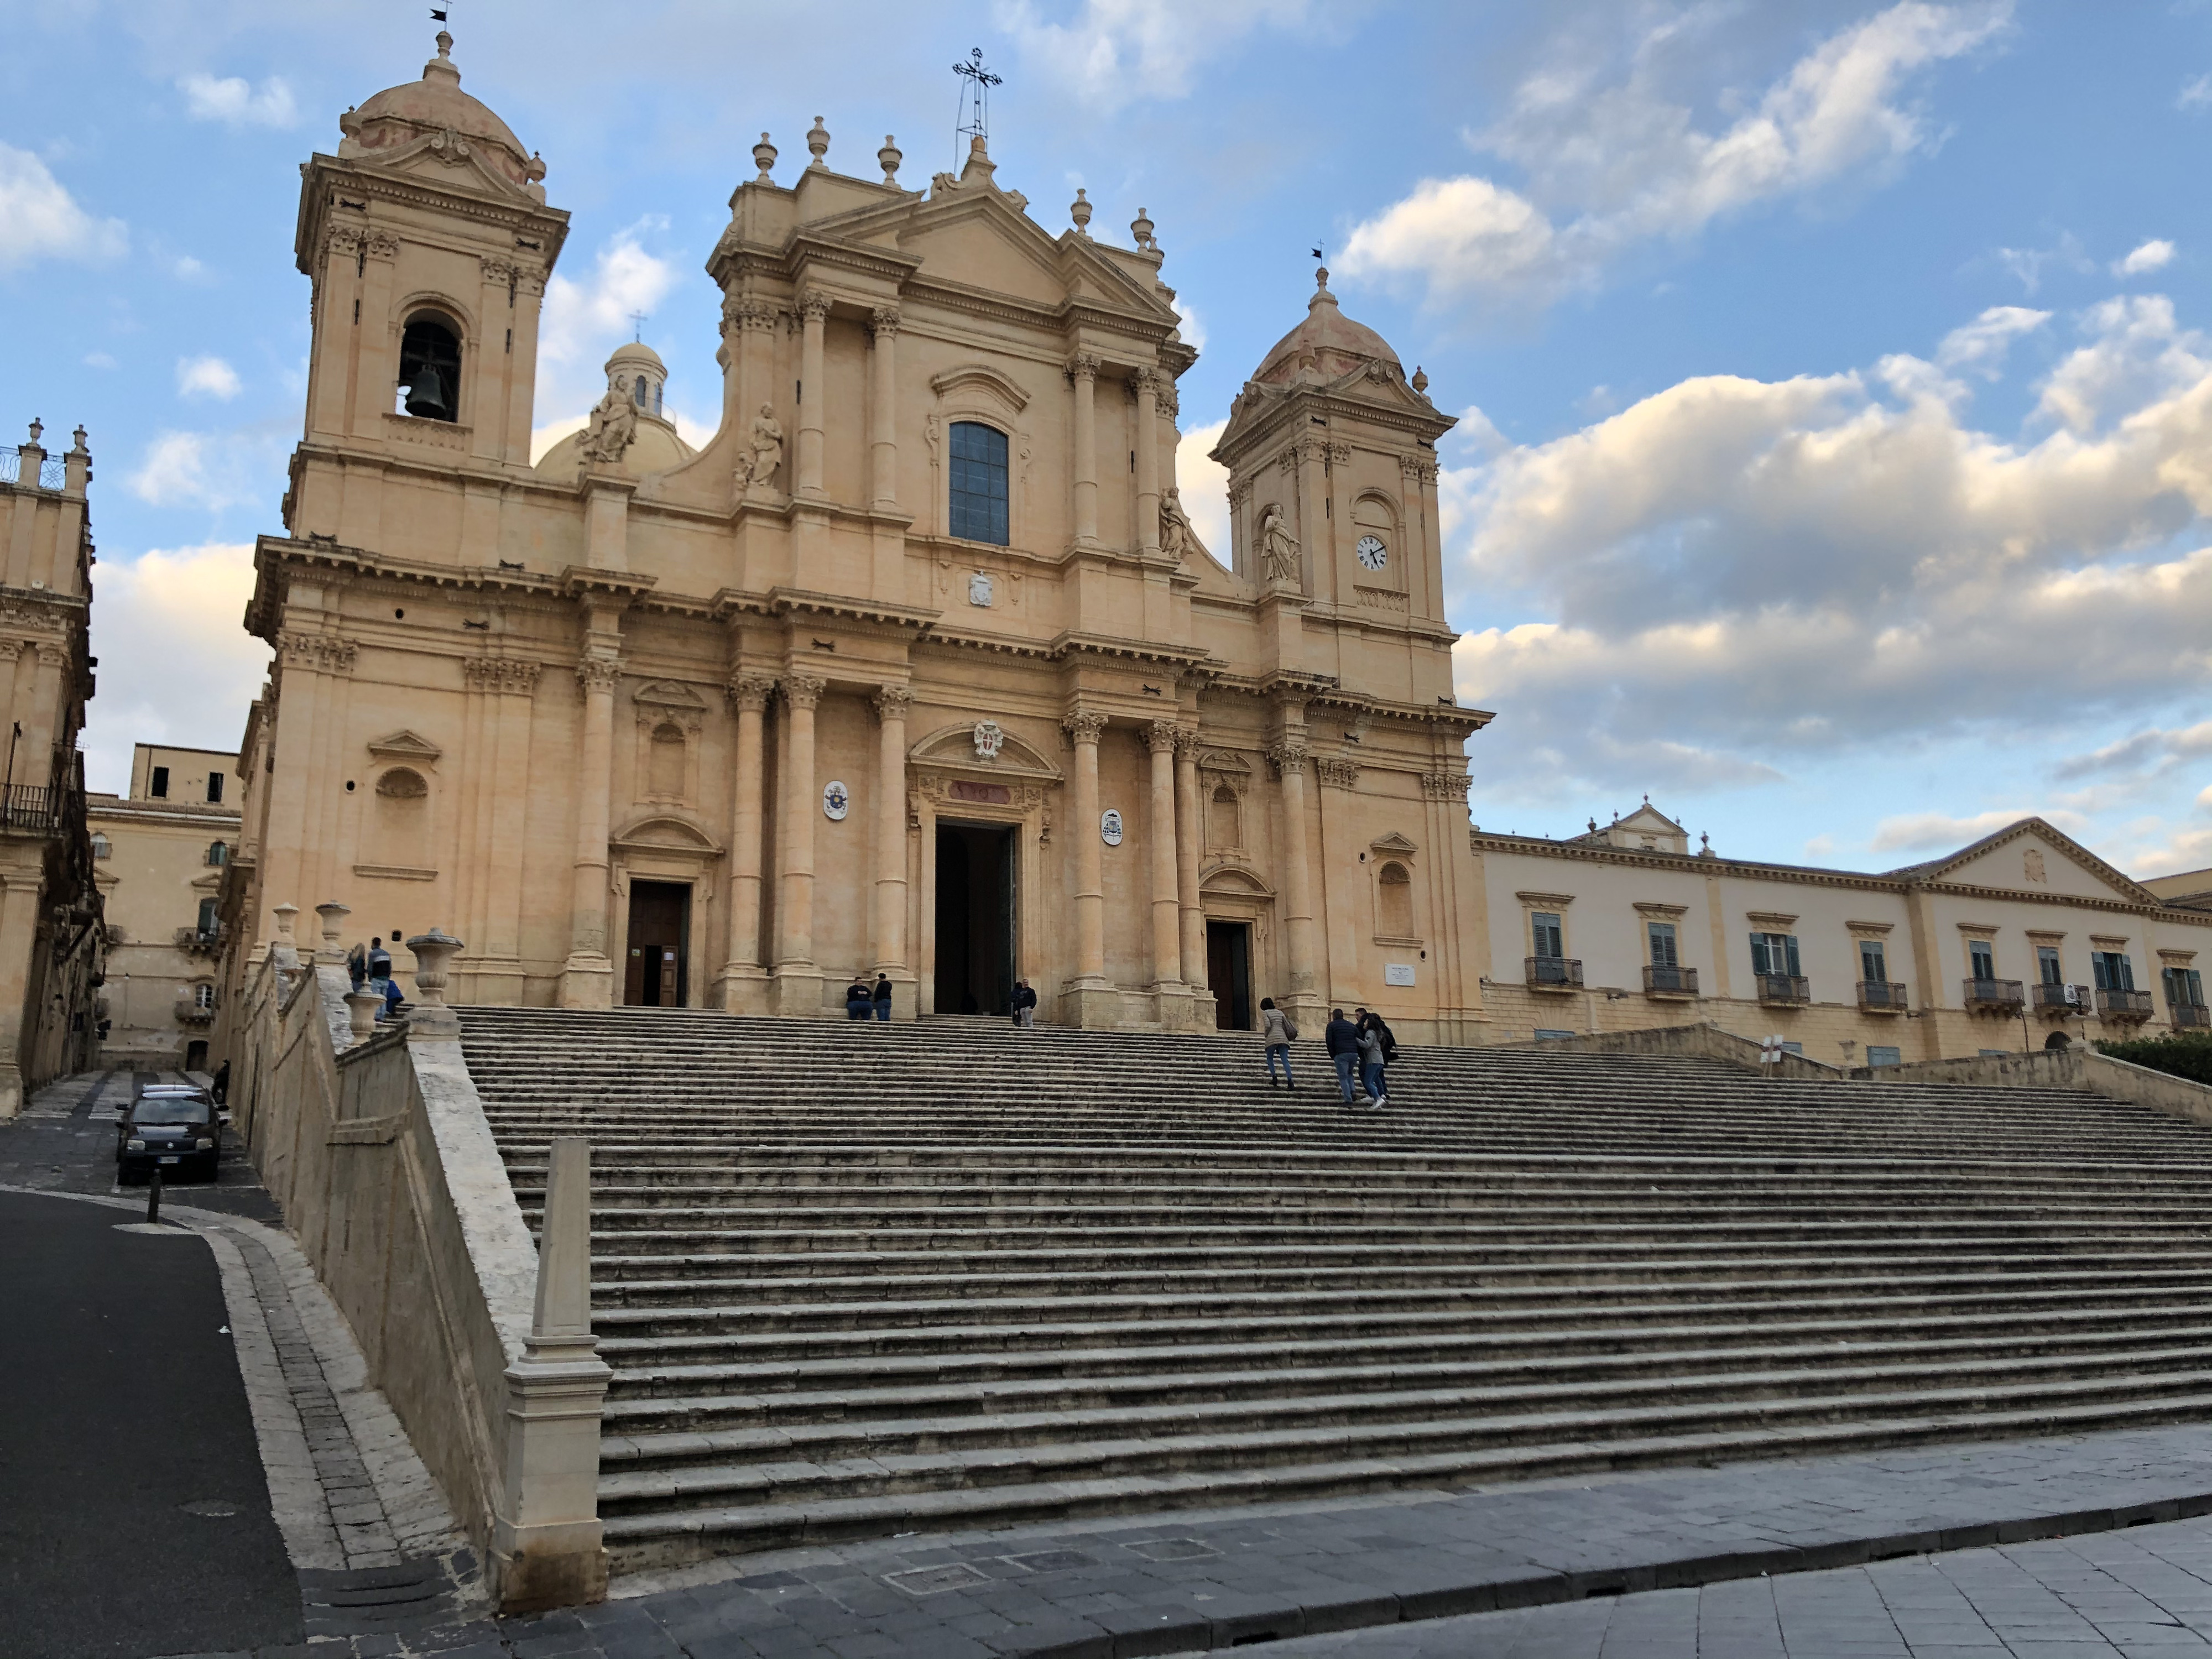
(1343, 891)
(1089, 999)
(1147, 384)
(798, 981)
(814, 310)
(1160, 831)
(1083, 373)
(587, 977)
(883, 424)
(1190, 815)
(890, 704)
(743, 979)
(1288, 759)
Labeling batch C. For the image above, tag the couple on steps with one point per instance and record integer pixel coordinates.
(1360, 1048)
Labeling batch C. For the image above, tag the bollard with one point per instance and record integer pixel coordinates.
(153, 1195)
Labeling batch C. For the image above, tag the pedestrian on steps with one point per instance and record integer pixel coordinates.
(1024, 1006)
(1343, 1039)
(884, 999)
(1372, 1059)
(357, 964)
(859, 1001)
(1278, 1031)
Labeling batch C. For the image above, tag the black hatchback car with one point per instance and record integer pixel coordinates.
(168, 1129)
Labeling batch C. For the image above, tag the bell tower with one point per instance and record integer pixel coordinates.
(429, 242)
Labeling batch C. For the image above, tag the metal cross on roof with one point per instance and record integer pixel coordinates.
(975, 84)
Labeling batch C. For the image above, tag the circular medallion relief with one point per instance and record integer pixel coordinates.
(1109, 827)
(836, 801)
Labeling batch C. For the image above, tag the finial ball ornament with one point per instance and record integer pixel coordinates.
(764, 159)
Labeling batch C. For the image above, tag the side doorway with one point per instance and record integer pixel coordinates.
(656, 967)
(1229, 971)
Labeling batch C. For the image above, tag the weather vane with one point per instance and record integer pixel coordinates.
(975, 84)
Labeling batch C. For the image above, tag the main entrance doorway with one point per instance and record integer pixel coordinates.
(974, 918)
(659, 944)
(1228, 972)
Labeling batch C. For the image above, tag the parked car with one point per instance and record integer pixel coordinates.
(168, 1127)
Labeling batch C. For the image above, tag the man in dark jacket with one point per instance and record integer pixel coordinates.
(1343, 1038)
(1024, 1006)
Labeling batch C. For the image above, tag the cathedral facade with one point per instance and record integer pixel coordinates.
(917, 669)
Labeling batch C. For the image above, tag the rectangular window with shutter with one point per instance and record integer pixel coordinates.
(1775, 953)
(2185, 987)
(1662, 944)
(1547, 938)
(2113, 971)
(1981, 958)
(1874, 962)
(2047, 964)
(1878, 1056)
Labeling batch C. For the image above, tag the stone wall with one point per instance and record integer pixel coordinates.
(2063, 1068)
(1696, 1042)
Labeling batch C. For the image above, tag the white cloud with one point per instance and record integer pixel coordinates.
(1756, 570)
(190, 469)
(235, 103)
(543, 438)
(2155, 750)
(99, 360)
(1116, 51)
(1940, 831)
(2196, 93)
(1204, 482)
(1980, 347)
(1194, 330)
(2150, 256)
(1625, 164)
(585, 319)
(206, 377)
(175, 664)
(39, 219)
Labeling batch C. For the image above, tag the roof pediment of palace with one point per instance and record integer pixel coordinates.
(404, 745)
(2032, 857)
(954, 749)
(664, 832)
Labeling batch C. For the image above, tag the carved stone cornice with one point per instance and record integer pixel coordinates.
(507, 675)
(750, 693)
(529, 279)
(1144, 380)
(1084, 726)
(740, 313)
(319, 652)
(1338, 455)
(598, 674)
(891, 702)
(1160, 737)
(1284, 759)
(51, 655)
(1338, 774)
(803, 690)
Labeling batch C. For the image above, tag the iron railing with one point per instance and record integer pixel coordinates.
(1994, 996)
(2190, 1017)
(1669, 982)
(1784, 990)
(31, 806)
(1554, 973)
(1881, 996)
(2062, 999)
(2124, 1005)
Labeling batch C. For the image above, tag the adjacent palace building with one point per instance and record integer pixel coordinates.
(918, 670)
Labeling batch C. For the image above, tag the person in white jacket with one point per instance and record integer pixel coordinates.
(1277, 1030)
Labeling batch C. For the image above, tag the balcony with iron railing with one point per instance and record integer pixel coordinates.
(2062, 1000)
(1994, 996)
(31, 807)
(1881, 996)
(190, 1012)
(1554, 973)
(2190, 1017)
(200, 942)
(2129, 1007)
(1784, 990)
(1663, 982)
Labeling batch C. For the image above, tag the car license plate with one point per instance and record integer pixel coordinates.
(165, 1160)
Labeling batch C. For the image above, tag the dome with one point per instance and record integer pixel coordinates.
(635, 369)
(417, 109)
(1336, 344)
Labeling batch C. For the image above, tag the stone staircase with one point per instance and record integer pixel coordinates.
(867, 1280)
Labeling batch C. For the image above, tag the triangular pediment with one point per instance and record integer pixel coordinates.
(1648, 818)
(2032, 857)
(1392, 842)
(404, 745)
(954, 748)
(668, 694)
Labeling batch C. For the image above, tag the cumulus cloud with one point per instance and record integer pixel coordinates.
(1114, 51)
(1204, 482)
(2153, 751)
(1980, 347)
(1941, 832)
(191, 469)
(235, 103)
(175, 665)
(585, 318)
(206, 377)
(1758, 570)
(40, 220)
(2149, 257)
(1610, 167)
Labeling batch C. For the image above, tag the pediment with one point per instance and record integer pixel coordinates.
(1237, 879)
(983, 378)
(1393, 843)
(404, 745)
(2032, 857)
(668, 694)
(452, 163)
(664, 832)
(209, 883)
(1649, 818)
(953, 748)
(1222, 760)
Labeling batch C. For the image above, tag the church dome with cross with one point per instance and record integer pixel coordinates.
(636, 369)
(1328, 342)
(435, 108)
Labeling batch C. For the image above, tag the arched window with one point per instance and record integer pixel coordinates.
(218, 853)
(430, 368)
(979, 483)
(100, 846)
(1223, 827)
(1393, 901)
(663, 778)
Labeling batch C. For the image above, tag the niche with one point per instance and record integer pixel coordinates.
(1393, 901)
(401, 820)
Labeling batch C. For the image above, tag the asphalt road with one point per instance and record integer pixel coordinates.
(134, 1519)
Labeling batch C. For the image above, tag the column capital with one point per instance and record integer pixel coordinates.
(1160, 736)
(1084, 726)
(1287, 759)
(509, 675)
(748, 693)
(1083, 367)
(1186, 742)
(1444, 786)
(803, 690)
(495, 267)
(329, 654)
(883, 319)
(1145, 383)
(1338, 774)
(891, 702)
(597, 673)
(814, 305)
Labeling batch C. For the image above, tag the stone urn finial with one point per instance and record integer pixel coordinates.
(38, 430)
(1142, 227)
(1079, 210)
(889, 158)
(430, 1020)
(818, 143)
(284, 913)
(360, 1012)
(333, 913)
(764, 159)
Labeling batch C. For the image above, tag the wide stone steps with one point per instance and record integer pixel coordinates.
(860, 1279)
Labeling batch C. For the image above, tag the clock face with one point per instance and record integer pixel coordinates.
(1372, 553)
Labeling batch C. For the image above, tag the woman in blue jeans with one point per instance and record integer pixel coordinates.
(1276, 1032)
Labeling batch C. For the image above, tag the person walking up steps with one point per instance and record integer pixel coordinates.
(1278, 1031)
(1343, 1039)
(1371, 1058)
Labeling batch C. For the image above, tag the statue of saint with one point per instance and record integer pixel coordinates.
(1279, 548)
(612, 427)
(765, 450)
(1177, 538)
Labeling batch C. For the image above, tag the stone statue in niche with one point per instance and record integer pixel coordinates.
(613, 426)
(1279, 548)
(1177, 538)
(765, 451)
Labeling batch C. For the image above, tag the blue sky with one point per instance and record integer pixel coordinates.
(1837, 378)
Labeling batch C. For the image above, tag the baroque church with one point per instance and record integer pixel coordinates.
(916, 669)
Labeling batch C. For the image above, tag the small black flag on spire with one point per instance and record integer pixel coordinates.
(439, 12)
(1317, 253)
